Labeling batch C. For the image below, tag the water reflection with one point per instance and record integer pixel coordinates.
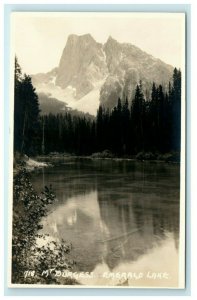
(118, 215)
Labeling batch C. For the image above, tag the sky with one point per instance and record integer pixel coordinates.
(38, 39)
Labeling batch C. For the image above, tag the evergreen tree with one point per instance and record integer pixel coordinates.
(99, 129)
(125, 127)
(30, 117)
(17, 72)
(26, 114)
(137, 119)
(17, 107)
(176, 110)
(154, 116)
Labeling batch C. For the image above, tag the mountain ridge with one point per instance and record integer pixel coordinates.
(112, 69)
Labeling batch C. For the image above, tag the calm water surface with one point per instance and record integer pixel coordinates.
(120, 216)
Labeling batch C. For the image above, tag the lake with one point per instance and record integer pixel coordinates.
(121, 216)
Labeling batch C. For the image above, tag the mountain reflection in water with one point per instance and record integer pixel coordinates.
(120, 216)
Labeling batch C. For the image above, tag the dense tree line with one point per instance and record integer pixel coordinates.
(132, 126)
(67, 133)
(139, 125)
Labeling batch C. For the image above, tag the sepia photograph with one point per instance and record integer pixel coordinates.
(97, 177)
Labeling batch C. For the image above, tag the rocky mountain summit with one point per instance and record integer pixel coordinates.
(82, 64)
(90, 73)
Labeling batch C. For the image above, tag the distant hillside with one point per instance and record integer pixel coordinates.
(52, 105)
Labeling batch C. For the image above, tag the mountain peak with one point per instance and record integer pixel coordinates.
(111, 40)
(84, 61)
(75, 37)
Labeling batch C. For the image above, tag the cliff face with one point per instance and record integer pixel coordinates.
(90, 72)
(82, 64)
(127, 65)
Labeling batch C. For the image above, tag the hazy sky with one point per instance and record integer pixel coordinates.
(38, 39)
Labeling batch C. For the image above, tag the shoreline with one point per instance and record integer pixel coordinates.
(48, 161)
(47, 157)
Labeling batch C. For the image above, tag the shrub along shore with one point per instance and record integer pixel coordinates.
(33, 252)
